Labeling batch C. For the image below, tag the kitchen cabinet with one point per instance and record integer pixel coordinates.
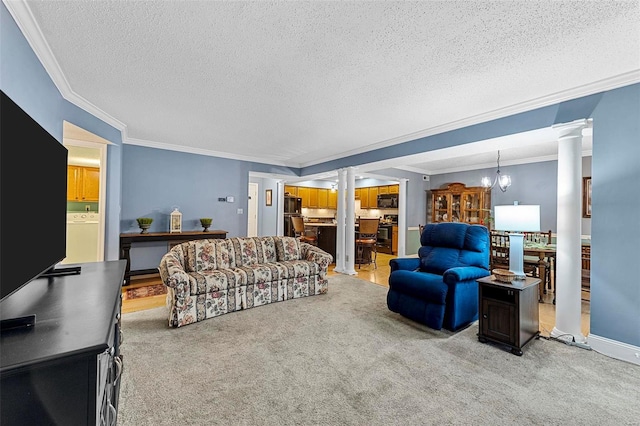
(313, 198)
(83, 183)
(459, 203)
(394, 189)
(323, 198)
(292, 190)
(332, 199)
(364, 198)
(509, 312)
(383, 189)
(373, 197)
(394, 240)
(303, 192)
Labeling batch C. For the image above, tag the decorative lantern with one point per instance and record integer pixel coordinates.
(176, 221)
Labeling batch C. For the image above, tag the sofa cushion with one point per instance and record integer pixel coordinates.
(246, 251)
(268, 249)
(288, 248)
(204, 255)
(225, 256)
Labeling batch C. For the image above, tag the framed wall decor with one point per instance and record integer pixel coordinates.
(269, 197)
(586, 196)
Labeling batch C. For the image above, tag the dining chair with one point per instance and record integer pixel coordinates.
(300, 231)
(366, 241)
(499, 253)
(586, 270)
(533, 262)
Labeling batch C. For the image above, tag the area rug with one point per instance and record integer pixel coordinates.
(144, 291)
(344, 359)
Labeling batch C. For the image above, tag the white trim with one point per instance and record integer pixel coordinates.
(615, 349)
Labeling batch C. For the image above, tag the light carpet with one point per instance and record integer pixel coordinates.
(344, 359)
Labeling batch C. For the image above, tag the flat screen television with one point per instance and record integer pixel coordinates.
(33, 200)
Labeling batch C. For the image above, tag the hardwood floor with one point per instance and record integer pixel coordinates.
(132, 302)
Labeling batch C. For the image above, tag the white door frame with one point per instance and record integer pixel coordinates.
(252, 211)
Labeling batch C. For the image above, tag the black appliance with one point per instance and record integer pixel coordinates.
(292, 205)
(388, 201)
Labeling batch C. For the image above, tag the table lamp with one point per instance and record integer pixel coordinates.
(516, 219)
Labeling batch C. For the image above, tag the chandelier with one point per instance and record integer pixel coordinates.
(503, 181)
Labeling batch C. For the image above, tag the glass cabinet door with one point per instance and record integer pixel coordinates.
(456, 208)
(441, 208)
(472, 207)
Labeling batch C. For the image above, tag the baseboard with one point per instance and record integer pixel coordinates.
(614, 349)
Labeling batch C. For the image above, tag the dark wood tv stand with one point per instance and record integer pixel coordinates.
(65, 369)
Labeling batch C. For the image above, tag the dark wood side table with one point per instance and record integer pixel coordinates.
(173, 237)
(508, 312)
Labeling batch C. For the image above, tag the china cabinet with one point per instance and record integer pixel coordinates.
(459, 203)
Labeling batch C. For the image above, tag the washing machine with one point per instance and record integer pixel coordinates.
(82, 237)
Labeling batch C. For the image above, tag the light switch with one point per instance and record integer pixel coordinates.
(230, 199)
(240, 211)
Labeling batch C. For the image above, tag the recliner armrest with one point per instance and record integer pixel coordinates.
(404, 263)
(464, 273)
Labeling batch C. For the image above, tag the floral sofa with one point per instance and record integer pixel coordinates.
(208, 278)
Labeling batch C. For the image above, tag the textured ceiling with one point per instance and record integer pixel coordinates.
(298, 83)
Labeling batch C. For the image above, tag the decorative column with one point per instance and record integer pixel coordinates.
(280, 214)
(341, 222)
(568, 257)
(350, 225)
(402, 218)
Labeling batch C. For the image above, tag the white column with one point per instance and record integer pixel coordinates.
(280, 214)
(341, 221)
(568, 257)
(350, 225)
(402, 218)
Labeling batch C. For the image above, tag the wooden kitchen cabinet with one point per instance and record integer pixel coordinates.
(323, 198)
(459, 203)
(394, 189)
(332, 200)
(394, 240)
(83, 183)
(292, 190)
(303, 192)
(373, 197)
(313, 198)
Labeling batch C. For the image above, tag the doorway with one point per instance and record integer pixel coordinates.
(252, 216)
(87, 159)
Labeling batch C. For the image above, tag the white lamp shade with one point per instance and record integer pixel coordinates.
(519, 218)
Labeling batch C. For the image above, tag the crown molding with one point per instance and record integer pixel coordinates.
(25, 20)
(200, 151)
(611, 83)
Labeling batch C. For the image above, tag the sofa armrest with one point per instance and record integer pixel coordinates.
(464, 273)
(404, 263)
(172, 272)
(315, 254)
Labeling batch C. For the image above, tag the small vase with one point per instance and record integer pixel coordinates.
(145, 228)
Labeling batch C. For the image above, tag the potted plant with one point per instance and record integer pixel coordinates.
(206, 223)
(144, 223)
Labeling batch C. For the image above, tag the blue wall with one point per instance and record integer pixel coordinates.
(615, 223)
(173, 178)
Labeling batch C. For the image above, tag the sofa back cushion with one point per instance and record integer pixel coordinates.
(288, 248)
(450, 245)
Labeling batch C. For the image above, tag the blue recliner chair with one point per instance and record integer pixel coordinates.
(439, 288)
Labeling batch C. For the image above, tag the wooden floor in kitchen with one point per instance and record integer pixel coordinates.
(147, 292)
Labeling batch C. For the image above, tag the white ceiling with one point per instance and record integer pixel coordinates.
(300, 83)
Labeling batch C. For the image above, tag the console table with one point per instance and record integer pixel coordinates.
(65, 369)
(509, 312)
(173, 237)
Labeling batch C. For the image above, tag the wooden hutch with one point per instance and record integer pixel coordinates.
(459, 203)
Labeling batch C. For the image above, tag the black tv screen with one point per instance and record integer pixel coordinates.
(33, 198)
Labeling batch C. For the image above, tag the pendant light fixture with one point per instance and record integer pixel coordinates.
(503, 181)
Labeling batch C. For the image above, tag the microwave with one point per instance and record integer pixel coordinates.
(388, 201)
